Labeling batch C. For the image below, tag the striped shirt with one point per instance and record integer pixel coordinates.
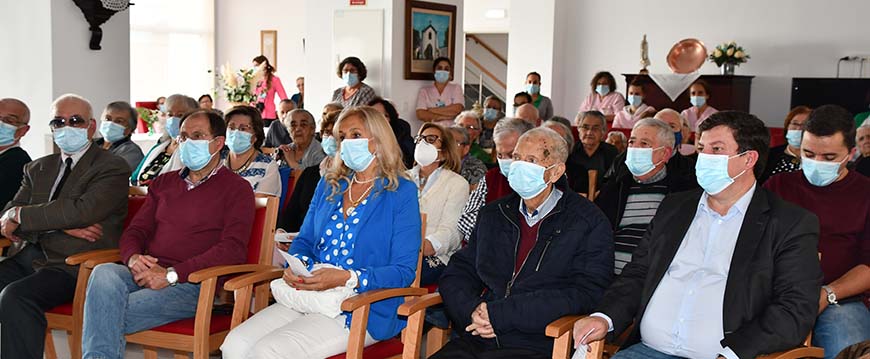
(640, 208)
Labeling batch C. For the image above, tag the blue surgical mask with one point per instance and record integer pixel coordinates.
(173, 126)
(527, 179)
(794, 137)
(162, 108)
(111, 131)
(355, 154)
(239, 141)
(71, 139)
(329, 146)
(639, 160)
(698, 101)
(533, 89)
(490, 114)
(712, 172)
(195, 154)
(602, 90)
(678, 139)
(635, 100)
(821, 173)
(504, 166)
(442, 76)
(7, 134)
(350, 79)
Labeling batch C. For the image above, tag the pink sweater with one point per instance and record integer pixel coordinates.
(269, 101)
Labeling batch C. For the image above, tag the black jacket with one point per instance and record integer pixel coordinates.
(614, 195)
(402, 131)
(772, 291)
(11, 172)
(297, 207)
(565, 273)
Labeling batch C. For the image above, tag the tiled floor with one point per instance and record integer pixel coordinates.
(133, 351)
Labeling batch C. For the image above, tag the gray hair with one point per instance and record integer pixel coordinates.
(566, 131)
(595, 114)
(289, 117)
(663, 131)
(555, 146)
(510, 126)
(124, 107)
(25, 118)
(669, 111)
(468, 113)
(73, 98)
(187, 101)
(618, 134)
(462, 131)
(337, 106)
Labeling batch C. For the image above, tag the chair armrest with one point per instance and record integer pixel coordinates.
(217, 271)
(253, 278)
(80, 258)
(5, 242)
(415, 305)
(367, 298)
(562, 325)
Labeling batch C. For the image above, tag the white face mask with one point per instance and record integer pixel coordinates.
(425, 153)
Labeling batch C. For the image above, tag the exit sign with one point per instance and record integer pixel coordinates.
(357, 2)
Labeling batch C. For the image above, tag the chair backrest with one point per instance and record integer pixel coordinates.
(135, 200)
(416, 283)
(593, 181)
(263, 230)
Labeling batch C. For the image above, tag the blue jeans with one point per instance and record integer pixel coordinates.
(641, 351)
(115, 305)
(840, 326)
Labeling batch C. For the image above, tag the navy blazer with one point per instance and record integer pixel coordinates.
(387, 244)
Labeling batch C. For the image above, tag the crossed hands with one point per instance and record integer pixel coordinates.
(480, 324)
(146, 272)
(321, 279)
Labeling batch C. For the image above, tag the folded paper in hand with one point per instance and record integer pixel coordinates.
(580, 353)
(295, 265)
(285, 237)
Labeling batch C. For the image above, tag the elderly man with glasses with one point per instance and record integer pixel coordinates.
(69, 202)
(119, 122)
(14, 120)
(470, 121)
(591, 153)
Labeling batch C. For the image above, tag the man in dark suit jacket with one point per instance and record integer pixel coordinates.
(69, 203)
(730, 272)
(15, 117)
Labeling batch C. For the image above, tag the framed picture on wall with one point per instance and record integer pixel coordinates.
(429, 34)
(269, 46)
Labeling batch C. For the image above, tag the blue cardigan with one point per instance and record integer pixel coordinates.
(387, 245)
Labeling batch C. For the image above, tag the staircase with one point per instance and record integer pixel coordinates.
(485, 70)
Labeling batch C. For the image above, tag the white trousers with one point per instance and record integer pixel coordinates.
(281, 332)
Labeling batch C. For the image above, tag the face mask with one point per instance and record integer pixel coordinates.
(602, 90)
(112, 131)
(533, 89)
(698, 101)
(329, 146)
(635, 100)
(173, 126)
(162, 108)
(490, 114)
(239, 141)
(527, 179)
(504, 166)
(425, 153)
(350, 79)
(794, 137)
(355, 154)
(71, 139)
(639, 160)
(195, 154)
(678, 139)
(514, 110)
(712, 172)
(821, 173)
(7, 134)
(442, 76)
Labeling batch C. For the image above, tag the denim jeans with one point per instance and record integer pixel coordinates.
(840, 326)
(115, 305)
(641, 351)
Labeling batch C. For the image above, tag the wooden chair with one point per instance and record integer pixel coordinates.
(359, 305)
(593, 181)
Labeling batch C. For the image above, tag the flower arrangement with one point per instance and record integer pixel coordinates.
(149, 116)
(729, 53)
(239, 85)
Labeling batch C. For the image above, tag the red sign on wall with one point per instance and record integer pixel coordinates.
(357, 2)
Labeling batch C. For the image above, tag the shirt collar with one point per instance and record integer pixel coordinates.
(9, 148)
(544, 209)
(185, 174)
(75, 156)
(739, 207)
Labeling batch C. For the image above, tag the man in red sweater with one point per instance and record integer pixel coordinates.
(505, 135)
(841, 200)
(198, 217)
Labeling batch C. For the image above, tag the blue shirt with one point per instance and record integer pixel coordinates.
(543, 210)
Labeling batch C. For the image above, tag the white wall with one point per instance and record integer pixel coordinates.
(786, 38)
(237, 36)
(475, 22)
(530, 45)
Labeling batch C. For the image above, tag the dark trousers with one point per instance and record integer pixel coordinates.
(465, 348)
(25, 295)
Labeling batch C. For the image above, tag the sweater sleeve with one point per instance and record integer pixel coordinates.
(460, 285)
(279, 88)
(445, 236)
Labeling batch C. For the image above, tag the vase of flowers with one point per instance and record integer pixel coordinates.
(148, 116)
(728, 56)
(239, 85)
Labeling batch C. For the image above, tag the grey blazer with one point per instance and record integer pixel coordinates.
(95, 192)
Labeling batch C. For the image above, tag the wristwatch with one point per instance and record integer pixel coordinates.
(832, 297)
(171, 276)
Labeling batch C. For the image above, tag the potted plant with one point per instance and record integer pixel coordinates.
(728, 56)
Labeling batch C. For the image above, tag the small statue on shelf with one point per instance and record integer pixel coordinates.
(644, 56)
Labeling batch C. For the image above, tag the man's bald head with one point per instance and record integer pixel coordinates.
(15, 108)
(72, 103)
(672, 118)
(529, 113)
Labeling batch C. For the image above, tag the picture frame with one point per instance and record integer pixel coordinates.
(430, 32)
(269, 46)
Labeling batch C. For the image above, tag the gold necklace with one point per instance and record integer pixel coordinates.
(244, 165)
(355, 203)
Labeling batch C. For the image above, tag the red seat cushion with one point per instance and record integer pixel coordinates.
(432, 288)
(219, 323)
(384, 349)
(63, 309)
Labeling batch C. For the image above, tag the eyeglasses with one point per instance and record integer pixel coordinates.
(429, 138)
(463, 143)
(73, 121)
(590, 128)
(471, 128)
(11, 120)
(243, 128)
